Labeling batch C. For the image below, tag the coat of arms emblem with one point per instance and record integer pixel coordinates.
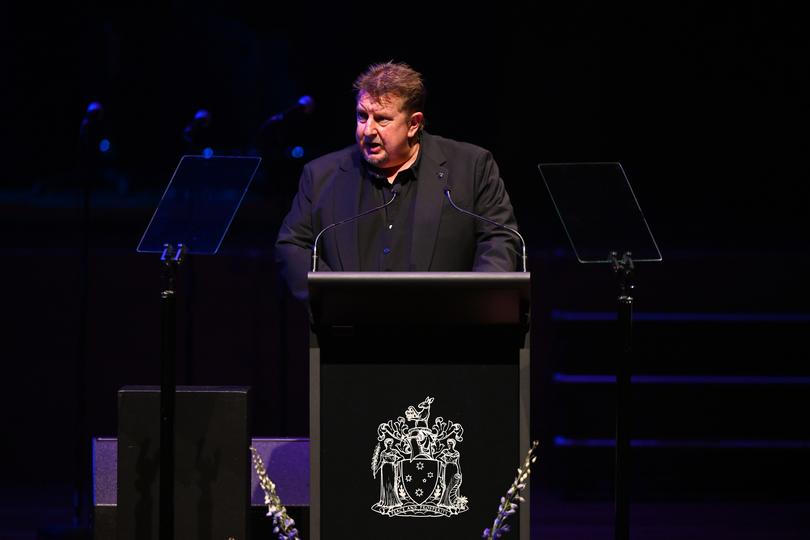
(419, 467)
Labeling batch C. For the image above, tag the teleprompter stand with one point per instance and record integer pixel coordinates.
(605, 224)
(193, 216)
(419, 402)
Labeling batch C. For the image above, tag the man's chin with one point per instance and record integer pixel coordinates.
(376, 161)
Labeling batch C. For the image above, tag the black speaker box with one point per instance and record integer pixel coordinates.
(212, 463)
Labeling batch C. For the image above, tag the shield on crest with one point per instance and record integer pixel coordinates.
(419, 476)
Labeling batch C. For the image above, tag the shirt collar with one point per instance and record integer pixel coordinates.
(405, 175)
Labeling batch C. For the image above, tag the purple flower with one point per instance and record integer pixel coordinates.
(507, 506)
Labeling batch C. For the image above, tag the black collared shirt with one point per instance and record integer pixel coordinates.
(384, 238)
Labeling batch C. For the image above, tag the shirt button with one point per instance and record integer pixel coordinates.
(390, 227)
(386, 251)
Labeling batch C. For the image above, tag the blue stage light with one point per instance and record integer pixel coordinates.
(104, 145)
(207, 152)
(297, 152)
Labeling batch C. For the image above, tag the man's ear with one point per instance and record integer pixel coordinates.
(415, 123)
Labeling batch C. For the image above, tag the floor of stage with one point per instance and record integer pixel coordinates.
(710, 520)
(25, 511)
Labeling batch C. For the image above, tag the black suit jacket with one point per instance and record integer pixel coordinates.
(443, 240)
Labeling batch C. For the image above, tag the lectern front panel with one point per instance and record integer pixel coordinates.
(406, 441)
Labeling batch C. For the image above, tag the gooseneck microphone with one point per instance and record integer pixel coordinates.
(394, 192)
(305, 104)
(447, 189)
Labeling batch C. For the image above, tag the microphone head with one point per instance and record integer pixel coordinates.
(306, 103)
(444, 176)
(202, 117)
(396, 188)
(95, 109)
(91, 124)
(195, 131)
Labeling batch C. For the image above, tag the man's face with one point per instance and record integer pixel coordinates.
(383, 130)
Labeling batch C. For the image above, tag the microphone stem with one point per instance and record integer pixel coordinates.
(499, 225)
(523, 257)
(394, 194)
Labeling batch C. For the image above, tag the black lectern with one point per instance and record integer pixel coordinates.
(419, 402)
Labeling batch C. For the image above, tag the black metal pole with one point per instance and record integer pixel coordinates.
(168, 321)
(88, 168)
(82, 450)
(623, 269)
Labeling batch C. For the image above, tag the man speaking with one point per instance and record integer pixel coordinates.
(394, 182)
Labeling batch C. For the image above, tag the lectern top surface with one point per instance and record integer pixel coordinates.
(430, 298)
(422, 278)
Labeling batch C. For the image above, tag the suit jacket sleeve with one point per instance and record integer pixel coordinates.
(296, 236)
(496, 249)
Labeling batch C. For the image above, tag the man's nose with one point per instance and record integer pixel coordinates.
(369, 128)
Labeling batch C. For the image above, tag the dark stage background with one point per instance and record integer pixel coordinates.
(705, 106)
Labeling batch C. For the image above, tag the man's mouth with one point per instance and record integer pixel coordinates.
(373, 147)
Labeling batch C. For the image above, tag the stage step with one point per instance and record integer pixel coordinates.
(719, 401)
(286, 461)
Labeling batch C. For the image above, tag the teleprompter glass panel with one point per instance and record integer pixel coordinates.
(199, 203)
(599, 211)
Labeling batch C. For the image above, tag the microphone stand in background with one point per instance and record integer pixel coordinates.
(304, 104)
(90, 135)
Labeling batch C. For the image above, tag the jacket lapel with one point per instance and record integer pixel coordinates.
(346, 204)
(429, 202)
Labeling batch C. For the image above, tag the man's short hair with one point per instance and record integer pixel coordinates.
(394, 78)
